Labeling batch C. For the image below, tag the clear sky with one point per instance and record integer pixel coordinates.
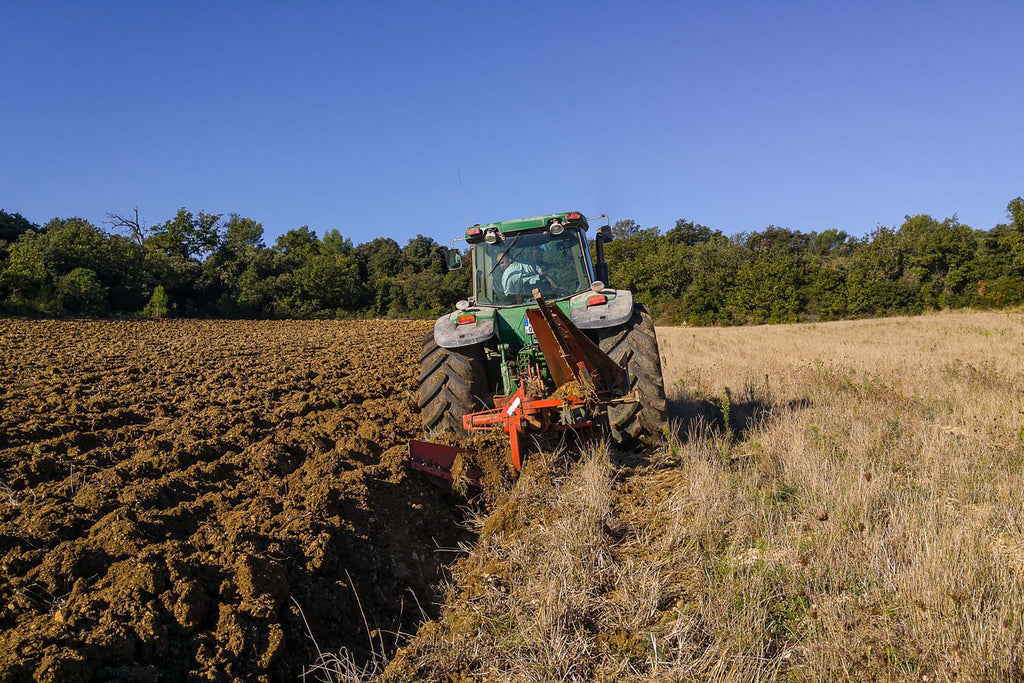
(360, 116)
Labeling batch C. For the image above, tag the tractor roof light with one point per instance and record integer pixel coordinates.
(556, 228)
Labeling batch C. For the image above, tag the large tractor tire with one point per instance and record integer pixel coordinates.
(452, 382)
(635, 346)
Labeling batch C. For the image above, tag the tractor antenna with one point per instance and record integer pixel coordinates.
(462, 191)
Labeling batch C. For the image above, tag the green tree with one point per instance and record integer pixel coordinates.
(294, 248)
(826, 262)
(938, 260)
(875, 284)
(124, 274)
(380, 261)
(175, 252)
(80, 293)
(1015, 237)
(25, 282)
(13, 226)
(1015, 211)
(629, 257)
(689, 233)
(39, 260)
(422, 253)
(242, 235)
(186, 236)
(1000, 261)
(325, 281)
(240, 254)
(625, 228)
(714, 265)
(768, 289)
(830, 243)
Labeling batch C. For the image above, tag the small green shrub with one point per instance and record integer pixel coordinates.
(159, 304)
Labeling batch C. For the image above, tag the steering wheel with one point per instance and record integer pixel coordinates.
(548, 287)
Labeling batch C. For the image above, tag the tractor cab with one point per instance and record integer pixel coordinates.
(513, 259)
(551, 257)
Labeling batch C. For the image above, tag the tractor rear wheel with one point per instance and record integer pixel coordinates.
(452, 382)
(635, 347)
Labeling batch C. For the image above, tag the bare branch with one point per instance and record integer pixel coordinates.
(128, 223)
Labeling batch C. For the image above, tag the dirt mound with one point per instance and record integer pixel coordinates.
(191, 498)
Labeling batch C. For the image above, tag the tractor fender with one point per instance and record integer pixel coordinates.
(617, 310)
(450, 335)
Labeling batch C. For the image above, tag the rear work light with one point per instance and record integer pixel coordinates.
(597, 300)
(467, 319)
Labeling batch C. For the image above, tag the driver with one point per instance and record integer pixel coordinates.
(523, 274)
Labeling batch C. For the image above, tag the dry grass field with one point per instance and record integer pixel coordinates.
(840, 501)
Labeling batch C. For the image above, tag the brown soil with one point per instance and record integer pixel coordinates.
(172, 493)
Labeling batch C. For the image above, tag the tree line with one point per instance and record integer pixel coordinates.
(209, 265)
(212, 265)
(694, 274)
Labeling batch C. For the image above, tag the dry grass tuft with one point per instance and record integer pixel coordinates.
(837, 501)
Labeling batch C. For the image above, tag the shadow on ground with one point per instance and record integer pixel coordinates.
(692, 417)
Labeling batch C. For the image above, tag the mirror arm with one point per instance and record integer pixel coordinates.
(601, 267)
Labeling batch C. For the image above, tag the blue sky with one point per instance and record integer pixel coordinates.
(360, 116)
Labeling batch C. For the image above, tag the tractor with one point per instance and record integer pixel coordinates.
(544, 348)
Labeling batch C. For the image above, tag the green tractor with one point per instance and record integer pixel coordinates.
(543, 345)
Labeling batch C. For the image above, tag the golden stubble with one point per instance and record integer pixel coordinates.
(837, 501)
(881, 485)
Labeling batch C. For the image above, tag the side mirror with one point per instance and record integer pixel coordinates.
(454, 259)
(604, 233)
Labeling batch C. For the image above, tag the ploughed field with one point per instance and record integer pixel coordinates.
(198, 498)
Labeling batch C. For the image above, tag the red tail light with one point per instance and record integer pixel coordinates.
(573, 216)
(597, 300)
(467, 319)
